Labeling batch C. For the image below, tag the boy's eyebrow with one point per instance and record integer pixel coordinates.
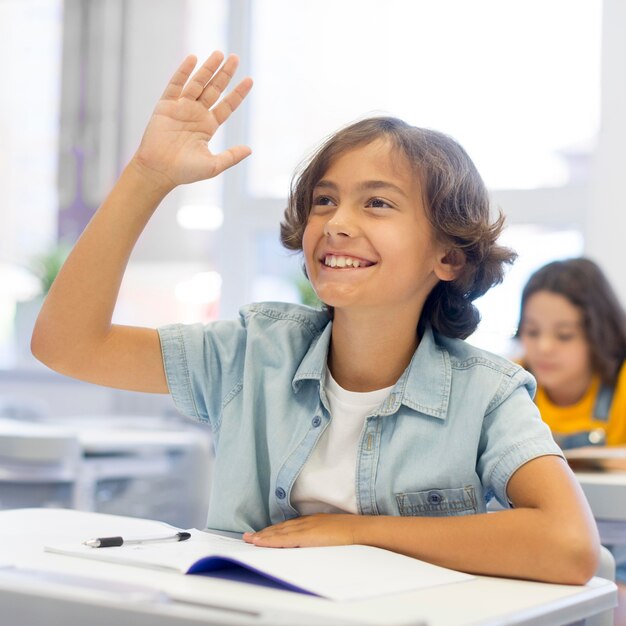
(365, 185)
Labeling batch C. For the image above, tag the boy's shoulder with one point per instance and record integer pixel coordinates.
(464, 355)
(268, 314)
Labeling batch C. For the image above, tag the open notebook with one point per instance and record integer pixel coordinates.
(337, 572)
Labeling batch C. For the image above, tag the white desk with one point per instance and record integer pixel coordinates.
(170, 599)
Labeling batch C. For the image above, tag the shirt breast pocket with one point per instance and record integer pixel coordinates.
(438, 502)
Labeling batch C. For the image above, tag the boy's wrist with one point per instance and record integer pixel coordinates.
(156, 182)
(379, 531)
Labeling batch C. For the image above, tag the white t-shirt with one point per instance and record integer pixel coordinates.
(327, 482)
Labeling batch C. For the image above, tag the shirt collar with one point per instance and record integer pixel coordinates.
(314, 362)
(424, 386)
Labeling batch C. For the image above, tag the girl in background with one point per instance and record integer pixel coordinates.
(573, 331)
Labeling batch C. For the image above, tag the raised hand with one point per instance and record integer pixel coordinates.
(174, 149)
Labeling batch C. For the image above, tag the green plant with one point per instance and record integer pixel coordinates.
(307, 295)
(46, 266)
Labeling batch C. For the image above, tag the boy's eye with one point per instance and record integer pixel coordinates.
(378, 203)
(322, 201)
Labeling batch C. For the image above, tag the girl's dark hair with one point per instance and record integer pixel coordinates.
(583, 283)
(457, 206)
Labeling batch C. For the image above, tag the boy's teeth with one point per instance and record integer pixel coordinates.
(341, 261)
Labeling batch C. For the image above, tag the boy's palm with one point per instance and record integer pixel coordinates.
(174, 146)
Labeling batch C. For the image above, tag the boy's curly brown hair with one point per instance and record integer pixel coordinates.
(457, 206)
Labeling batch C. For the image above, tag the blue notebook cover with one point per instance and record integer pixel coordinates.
(230, 569)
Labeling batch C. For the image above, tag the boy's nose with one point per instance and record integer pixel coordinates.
(341, 224)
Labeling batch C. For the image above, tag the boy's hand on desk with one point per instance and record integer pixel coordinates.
(322, 529)
(174, 149)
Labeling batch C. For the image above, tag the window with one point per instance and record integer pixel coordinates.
(517, 83)
(186, 287)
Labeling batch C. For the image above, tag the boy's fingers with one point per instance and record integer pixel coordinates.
(230, 103)
(177, 82)
(199, 80)
(218, 83)
(230, 157)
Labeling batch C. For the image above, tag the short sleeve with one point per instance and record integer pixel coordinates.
(203, 364)
(513, 433)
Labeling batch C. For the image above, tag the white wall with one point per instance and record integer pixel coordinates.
(605, 225)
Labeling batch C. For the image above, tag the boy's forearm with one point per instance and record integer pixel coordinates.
(519, 543)
(78, 309)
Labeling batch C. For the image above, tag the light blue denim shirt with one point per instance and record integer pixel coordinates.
(455, 427)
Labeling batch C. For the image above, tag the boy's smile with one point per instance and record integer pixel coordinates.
(339, 261)
(368, 241)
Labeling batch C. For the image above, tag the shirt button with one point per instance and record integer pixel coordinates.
(280, 493)
(434, 497)
(316, 421)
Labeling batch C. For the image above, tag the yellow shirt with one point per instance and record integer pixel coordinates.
(566, 420)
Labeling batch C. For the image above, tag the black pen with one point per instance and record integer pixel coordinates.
(111, 542)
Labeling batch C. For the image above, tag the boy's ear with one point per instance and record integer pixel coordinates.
(449, 264)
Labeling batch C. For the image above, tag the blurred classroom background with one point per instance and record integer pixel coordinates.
(533, 90)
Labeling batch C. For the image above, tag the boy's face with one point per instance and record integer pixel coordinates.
(367, 243)
(555, 345)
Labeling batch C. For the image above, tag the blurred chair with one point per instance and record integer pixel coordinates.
(39, 465)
